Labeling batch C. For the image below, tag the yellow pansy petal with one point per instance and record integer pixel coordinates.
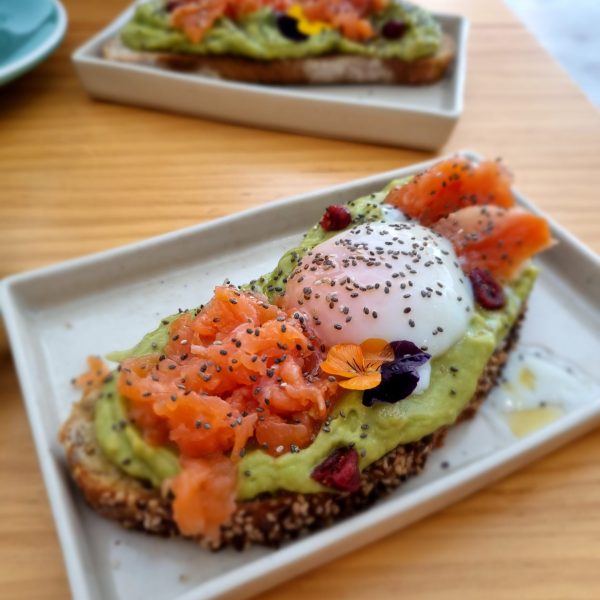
(345, 360)
(376, 352)
(362, 382)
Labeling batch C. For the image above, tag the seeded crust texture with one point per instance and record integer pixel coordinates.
(319, 70)
(270, 519)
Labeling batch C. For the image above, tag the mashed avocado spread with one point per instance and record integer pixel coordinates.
(374, 431)
(258, 37)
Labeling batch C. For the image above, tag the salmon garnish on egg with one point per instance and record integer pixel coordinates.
(451, 185)
(495, 239)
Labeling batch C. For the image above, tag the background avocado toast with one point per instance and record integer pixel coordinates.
(378, 426)
(288, 41)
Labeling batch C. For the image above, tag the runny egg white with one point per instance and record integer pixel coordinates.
(388, 280)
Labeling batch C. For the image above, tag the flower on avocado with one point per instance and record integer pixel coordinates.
(385, 372)
(400, 376)
(305, 25)
(359, 366)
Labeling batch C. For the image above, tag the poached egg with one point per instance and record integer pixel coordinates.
(388, 280)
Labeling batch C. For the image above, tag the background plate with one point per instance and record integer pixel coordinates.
(418, 116)
(20, 53)
(57, 316)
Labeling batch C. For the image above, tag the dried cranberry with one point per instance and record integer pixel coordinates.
(394, 30)
(288, 27)
(339, 470)
(488, 292)
(171, 5)
(336, 217)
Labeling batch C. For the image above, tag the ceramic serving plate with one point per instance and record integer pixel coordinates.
(417, 116)
(30, 30)
(59, 315)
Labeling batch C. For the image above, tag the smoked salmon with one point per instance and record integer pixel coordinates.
(495, 239)
(451, 185)
(240, 371)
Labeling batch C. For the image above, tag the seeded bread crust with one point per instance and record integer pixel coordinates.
(319, 70)
(269, 519)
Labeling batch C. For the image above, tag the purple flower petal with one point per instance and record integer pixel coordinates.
(399, 377)
(406, 349)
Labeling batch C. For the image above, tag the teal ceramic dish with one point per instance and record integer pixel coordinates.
(30, 30)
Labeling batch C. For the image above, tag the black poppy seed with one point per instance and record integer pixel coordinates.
(173, 397)
(411, 322)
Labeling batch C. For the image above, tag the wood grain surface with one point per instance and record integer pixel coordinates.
(78, 176)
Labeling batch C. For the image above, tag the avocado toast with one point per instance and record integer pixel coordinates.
(288, 41)
(278, 463)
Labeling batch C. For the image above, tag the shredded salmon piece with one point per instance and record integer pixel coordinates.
(204, 495)
(451, 185)
(495, 239)
(241, 373)
(95, 376)
(196, 18)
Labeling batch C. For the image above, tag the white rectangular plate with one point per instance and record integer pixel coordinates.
(58, 315)
(399, 115)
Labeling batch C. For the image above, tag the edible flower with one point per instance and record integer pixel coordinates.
(385, 372)
(360, 366)
(399, 377)
(305, 25)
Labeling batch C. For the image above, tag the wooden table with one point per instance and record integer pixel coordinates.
(79, 176)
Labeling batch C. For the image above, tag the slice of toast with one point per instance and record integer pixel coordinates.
(330, 69)
(269, 519)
